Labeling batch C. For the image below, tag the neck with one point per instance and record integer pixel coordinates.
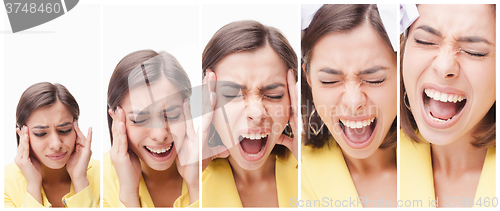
(380, 160)
(249, 176)
(152, 175)
(457, 157)
(50, 176)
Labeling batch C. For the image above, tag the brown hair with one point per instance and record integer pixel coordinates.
(331, 19)
(484, 137)
(130, 71)
(40, 95)
(242, 36)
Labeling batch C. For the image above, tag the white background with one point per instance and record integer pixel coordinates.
(284, 17)
(66, 51)
(170, 28)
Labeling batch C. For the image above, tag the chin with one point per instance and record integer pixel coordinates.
(55, 166)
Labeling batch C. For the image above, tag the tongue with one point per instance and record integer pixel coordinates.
(358, 135)
(442, 110)
(251, 146)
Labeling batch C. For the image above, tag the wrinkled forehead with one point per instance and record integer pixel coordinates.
(54, 114)
(260, 65)
(470, 20)
(155, 96)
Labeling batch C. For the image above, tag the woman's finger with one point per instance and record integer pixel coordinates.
(122, 139)
(292, 91)
(89, 138)
(26, 145)
(79, 135)
(189, 120)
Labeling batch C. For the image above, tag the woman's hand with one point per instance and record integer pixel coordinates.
(29, 165)
(209, 101)
(79, 160)
(188, 157)
(291, 144)
(126, 163)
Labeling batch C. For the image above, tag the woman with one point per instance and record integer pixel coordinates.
(349, 106)
(150, 125)
(52, 167)
(250, 72)
(448, 107)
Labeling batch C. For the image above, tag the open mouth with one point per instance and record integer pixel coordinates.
(443, 107)
(160, 152)
(253, 145)
(358, 132)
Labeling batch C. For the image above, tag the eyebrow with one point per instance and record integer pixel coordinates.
(470, 39)
(473, 39)
(143, 112)
(371, 70)
(45, 127)
(234, 85)
(272, 86)
(430, 30)
(331, 71)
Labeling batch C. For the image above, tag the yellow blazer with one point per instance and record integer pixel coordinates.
(325, 177)
(16, 195)
(417, 180)
(219, 188)
(112, 189)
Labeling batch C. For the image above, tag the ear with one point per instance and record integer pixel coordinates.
(111, 113)
(307, 74)
(18, 131)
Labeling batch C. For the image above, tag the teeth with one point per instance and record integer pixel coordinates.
(158, 151)
(254, 136)
(443, 97)
(357, 124)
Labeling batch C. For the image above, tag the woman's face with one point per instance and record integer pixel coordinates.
(155, 123)
(52, 137)
(353, 81)
(252, 91)
(449, 69)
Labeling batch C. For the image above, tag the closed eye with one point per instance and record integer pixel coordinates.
(138, 121)
(475, 54)
(65, 131)
(424, 42)
(40, 134)
(173, 118)
(375, 82)
(232, 96)
(329, 82)
(274, 97)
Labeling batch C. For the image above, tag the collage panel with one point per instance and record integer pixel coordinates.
(448, 139)
(150, 62)
(250, 70)
(349, 106)
(52, 129)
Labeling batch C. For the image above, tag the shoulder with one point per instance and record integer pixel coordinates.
(323, 154)
(12, 174)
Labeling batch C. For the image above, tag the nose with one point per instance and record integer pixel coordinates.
(445, 64)
(256, 111)
(55, 143)
(159, 134)
(353, 98)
